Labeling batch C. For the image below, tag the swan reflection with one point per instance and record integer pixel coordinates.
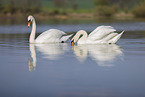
(52, 51)
(48, 51)
(103, 54)
(81, 52)
(32, 64)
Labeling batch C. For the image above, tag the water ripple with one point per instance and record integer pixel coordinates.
(127, 26)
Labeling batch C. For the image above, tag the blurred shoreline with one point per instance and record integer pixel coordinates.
(73, 9)
(76, 16)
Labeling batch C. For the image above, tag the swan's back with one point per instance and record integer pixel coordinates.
(104, 34)
(101, 32)
(50, 36)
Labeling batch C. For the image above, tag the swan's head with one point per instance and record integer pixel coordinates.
(77, 36)
(30, 19)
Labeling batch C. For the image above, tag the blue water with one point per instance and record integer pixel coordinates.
(120, 26)
(62, 70)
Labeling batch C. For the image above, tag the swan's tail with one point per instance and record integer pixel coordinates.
(116, 38)
(65, 38)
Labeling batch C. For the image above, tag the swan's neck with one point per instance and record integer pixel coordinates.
(83, 37)
(33, 31)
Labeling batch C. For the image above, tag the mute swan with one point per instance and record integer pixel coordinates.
(102, 34)
(49, 36)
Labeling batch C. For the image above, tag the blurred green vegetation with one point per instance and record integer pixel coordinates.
(139, 10)
(105, 8)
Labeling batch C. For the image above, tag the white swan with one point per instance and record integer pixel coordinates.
(49, 36)
(102, 34)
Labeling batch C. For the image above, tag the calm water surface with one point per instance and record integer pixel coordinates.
(60, 70)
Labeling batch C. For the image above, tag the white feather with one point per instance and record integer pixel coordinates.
(102, 34)
(49, 36)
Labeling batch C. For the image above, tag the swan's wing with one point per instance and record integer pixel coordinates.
(116, 38)
(100, 32)
(65, 38)
(52, 35)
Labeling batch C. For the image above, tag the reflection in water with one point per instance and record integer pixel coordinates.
(103, 54)
(49, 51)
(32, 64)
(81, 52)
(52, 51)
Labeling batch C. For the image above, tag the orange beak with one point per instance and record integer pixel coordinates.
(72, 43)
(29, 23)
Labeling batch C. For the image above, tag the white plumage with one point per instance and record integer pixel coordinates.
(102, 34)
(49, 36)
